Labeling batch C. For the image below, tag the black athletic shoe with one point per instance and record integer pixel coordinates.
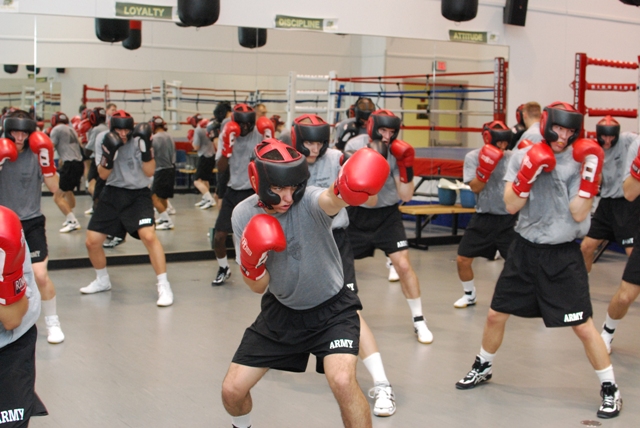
(611, 401)
(480, 372)
(112, 242)
(223, 274)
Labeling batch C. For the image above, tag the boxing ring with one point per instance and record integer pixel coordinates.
(581, 86)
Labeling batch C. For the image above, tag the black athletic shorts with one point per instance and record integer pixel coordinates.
(163, 181)
(122, 210)
(548, 281)
(204, 170)
(98, 188)
(282, 338)
(616, 219)
(36, 237)
(93, 171)
(70, 175)
(380, 228)
(229, 202)
(346, 254)
(222, 180)
(487, 233)
(18, 399)
(631, 272)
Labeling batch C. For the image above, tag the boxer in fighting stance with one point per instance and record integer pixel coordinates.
(284, 241)
(164, 153)
(381, 226)
(19, 311)
(529, 116)
(204, 176)
(552, 185)
(491, 226)
(629, 288)
(240, 136)
(30, 162)
(221, 115)
(356, 125)
(310, 136)
(126, 164)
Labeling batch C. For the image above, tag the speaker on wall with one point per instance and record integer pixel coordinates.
(515, 12)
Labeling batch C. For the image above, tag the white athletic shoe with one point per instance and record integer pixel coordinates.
(385, 400)
(208, 204)
(89, 211)
(165, 295)
(54, 332)
(201, 203)
(164, 225)
(171, 211)
(70, 227)
(469, 299)
(422, 331)
(393, 275)
(96, 286)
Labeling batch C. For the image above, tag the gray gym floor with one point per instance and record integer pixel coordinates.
(127, 363)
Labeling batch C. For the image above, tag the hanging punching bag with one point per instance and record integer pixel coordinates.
(112, 30)
(134, 41)
(10, 68)
(198, 13)
(459, 10)
(252, 37)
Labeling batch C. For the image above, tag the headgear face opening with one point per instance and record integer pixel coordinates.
(97, 116)
(383, 119)
(122, 120)
(310, 128)
(496, 131)
(58, 118)
(561, 114)
(608, 127)
(275, 163)
(157, 122)
(244, 116)
(18, 120)
(363, 109)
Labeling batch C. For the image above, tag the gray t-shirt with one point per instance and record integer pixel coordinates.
(65, 141)
(341, 126)
(323, 172)
(202, 143)
(491, 199)
(92, 134)
(309, 271)
(285, 137)
(239, 160)
(33, 312)
(388, 196)
(532, 134)
(164, 150)
(613, 170)
(545, 217)
(21, 185)
(127, 168)
(98, 146)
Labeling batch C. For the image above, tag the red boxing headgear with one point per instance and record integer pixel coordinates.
(122, 120)
(58, 118)
(194, 120)
(311, 128)
(157, 122)
(520, 114)
(383, 119)
(493, 132)
(97, 116)
(610, 127)
(561, 114)
(12, 254)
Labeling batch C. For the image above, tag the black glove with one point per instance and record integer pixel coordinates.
(110, 145)
(143, 130)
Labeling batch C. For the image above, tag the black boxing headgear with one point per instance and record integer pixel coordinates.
(18, 120)
(383, 119)
(221, 110)
(608, 127)
(244, 116)
(363, 109)
(274, 163)
(157, 122)
(311, 128)
(97, 116)
(561, 114)
(122, 120)
(493, 132)
(520, 115)
(59, 117)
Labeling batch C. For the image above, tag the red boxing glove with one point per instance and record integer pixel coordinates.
(405, 155)
(83, 127)
(12, 246)
(190, 135)
(539, 158)
(591, 156)
(635, 167)
(265, 127)
(262, 234)
(203, 123)
(7, 151)
(524, 143)
(230, 133)
(361, 176)
(488, 159)
(41, 145)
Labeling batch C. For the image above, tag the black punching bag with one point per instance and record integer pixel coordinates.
(10, 68)
(198, 13)
(134, 40)
(459, 10)
(112, 30)
(252, 37)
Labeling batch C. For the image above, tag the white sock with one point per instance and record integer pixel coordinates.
(485, 356)
(468, 286)
(416, 307)
(49, 307)
(207, 196)
(102, 274)
(611, 323)
(243, 421)
(169, 206)
(606, 375)
(373, 363)
(71, 217)
(223, 263)
(162, 278)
